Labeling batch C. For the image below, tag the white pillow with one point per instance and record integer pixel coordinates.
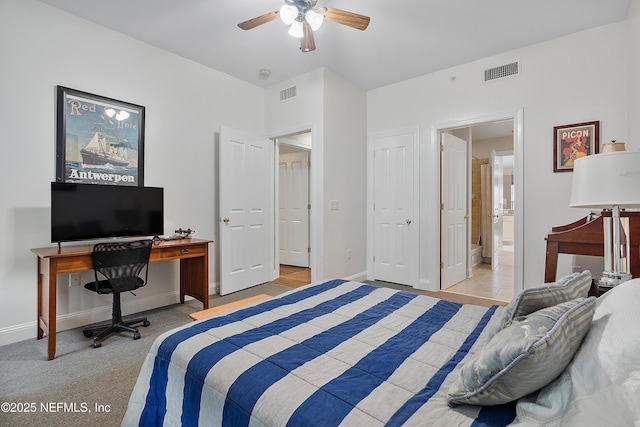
(601, 386)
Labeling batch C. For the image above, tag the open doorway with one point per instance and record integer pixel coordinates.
(488, 255)
(293, 217)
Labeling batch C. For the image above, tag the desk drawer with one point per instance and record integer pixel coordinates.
(183, 252)
(69, 264)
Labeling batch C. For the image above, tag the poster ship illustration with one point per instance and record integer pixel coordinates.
(101, 144)
(100, 151)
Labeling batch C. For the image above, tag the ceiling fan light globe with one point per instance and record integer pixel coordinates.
(295, 29)
(288, 13)
(314, 19)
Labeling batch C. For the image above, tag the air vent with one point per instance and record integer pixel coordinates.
(501, 71)
(288, 93)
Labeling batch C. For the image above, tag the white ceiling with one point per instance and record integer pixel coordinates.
(405, 39)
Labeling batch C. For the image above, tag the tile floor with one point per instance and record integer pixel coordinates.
(496, 285)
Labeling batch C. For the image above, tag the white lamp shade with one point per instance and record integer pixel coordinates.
(601, 181)
(288, 13)
(314, 19)
(295, 29)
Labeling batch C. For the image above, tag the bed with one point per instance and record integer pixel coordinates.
(355, 354)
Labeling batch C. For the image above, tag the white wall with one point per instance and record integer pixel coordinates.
(334, 110)
(345, 176)
(481, 148)
(582, 77)
(186, 103)
(298, 114)
(633, 57)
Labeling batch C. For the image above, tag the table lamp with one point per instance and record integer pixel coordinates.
(612, 146)
(608, 181)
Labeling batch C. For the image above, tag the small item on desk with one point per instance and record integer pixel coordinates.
(186, 234)
(180, 234)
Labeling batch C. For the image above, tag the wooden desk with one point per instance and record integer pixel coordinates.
(194, 275)
(586, 237)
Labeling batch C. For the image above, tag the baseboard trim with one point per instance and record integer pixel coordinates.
(28, 330)
(425, 285)
(358, 277)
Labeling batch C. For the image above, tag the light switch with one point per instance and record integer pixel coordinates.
(335, 205)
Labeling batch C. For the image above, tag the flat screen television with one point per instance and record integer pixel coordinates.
(92, 211)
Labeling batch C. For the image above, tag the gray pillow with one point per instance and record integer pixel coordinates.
(525, 356)
(573, 286)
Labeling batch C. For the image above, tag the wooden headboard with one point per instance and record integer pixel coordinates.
(586, 237)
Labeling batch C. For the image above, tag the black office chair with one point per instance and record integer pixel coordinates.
(121, 264)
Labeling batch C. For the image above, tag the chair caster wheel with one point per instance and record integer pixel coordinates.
(97, 344)
(146, 323)
(87, 334)
(136, 336)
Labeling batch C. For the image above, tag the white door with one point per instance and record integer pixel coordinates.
(497, 194)
(246, 192)
(395, 225)
(294, 208)
(453, 210)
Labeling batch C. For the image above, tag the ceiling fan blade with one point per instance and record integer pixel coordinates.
(252, 23)
(307, 44)
(353, 20)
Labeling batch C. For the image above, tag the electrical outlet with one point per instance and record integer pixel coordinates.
(348, 253)
(74, 279)
(576, 269)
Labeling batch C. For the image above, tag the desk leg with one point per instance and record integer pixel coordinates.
(41, 280)
(634, 261)
(551, 262)
(47, 276)
(51, 335)
(194, 279)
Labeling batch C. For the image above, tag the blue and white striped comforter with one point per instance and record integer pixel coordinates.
(335, 353)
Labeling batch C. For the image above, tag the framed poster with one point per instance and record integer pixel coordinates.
(570, 142)
(98, 140)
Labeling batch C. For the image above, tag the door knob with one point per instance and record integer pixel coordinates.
(408, 221)
(225, 219)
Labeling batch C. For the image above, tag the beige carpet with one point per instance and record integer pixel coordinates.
(68, 390)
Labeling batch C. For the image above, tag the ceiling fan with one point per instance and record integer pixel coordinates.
(304, 18)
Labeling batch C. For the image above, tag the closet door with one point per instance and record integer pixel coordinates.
(294, 209)
(396, 228)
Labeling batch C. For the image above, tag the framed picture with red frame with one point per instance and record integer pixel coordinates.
(570, 142)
